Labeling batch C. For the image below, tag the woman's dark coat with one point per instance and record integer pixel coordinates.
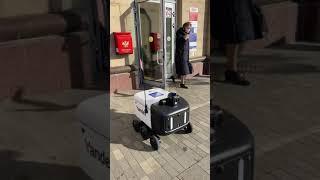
(232, 20)
(182, 53)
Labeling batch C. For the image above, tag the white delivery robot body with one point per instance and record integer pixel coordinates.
(94, 121)
(160, 113)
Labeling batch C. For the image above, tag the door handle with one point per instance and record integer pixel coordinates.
(158, 62)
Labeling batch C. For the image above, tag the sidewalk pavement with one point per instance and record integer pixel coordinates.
(281, 108)
(181, 156)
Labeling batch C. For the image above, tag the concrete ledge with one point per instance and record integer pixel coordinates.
(282, 24)
(31, 26)
(198, 59)
(198, 69)
(122, 81)
(123, 69)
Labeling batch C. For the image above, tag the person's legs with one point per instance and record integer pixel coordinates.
(232, 56)
(182, 79)
(232, 75)
(182, 85)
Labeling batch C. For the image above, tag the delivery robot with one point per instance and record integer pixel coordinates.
(231, 147)
(95, 138)
(160, 112)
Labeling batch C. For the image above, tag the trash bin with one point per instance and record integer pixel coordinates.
(94, 151)
(232, 147)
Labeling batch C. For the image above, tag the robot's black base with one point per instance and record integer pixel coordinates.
(155, 140)
(231, 149)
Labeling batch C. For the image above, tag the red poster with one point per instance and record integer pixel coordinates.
(193, 14)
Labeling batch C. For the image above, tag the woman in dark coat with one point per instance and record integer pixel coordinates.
(232, 24)
(182, 53)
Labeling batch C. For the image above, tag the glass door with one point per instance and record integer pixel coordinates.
(170, 38)
(155, 21)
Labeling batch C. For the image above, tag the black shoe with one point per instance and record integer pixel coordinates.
(183, 86)
(235, 78)
(173, 79)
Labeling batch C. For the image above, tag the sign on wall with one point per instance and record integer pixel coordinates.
(193, 18)
(193, 14)
(193, 35)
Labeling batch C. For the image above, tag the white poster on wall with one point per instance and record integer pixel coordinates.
(193, 19)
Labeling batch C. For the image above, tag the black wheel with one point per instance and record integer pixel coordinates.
(136, 125)
(188, 128)
(144, 132)
(155, 143)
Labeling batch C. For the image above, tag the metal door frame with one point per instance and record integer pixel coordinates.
(173, 5)
(164, 43)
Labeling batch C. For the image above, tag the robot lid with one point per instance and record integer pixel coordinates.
(94, 114)
(151, 96)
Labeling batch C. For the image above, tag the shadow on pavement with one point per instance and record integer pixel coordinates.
(12, 169)
(123, 94)
(122, 132)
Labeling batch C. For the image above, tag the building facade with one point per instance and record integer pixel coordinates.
(124, 19)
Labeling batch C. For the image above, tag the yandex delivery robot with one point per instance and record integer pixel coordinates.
(160, 113)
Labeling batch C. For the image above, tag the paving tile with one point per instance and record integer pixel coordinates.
(161, 160)
(200, 152)
(155, 154)
(153, 164)
(118, 154)
(124, 164)
(205, 164)
(145, 178)
(203, 136)
(189, 144)
(204, 148)
(164, 145)
(146, 167)
(173, 138)
(138, 170)
(193, 141)
(194, 173)
(116, 168)
(134, 165)
(188, 159)
(170, 169)
(137, 156)
(172, 161)
(160, 174)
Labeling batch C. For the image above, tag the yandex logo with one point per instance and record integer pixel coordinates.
(97, 154)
